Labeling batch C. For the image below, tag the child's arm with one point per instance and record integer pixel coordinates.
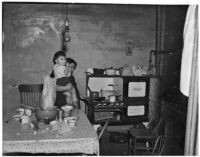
(68, 87)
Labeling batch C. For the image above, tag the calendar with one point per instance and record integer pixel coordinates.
(136, 89)
(135, 110)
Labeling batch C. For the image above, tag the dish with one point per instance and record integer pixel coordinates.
(67, 108)
(42, 114)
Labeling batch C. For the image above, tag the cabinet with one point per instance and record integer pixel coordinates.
(132, 107)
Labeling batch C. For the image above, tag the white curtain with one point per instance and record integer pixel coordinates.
(189, 79)
(190, 29)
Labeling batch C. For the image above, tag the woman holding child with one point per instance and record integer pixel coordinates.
(66, 89)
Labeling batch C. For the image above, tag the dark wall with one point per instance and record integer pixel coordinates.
(173, 41)
(32, 34)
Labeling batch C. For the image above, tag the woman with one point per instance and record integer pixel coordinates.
(64, 88)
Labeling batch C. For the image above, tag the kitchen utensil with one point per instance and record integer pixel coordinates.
(108, 90)
(117, 72)
(110, 71)
(24, 119)
(41, 114)
(59, 115)
(93, 94)
(67, 111)
(113, 98)
(28, 112)
(119, 137)
(72, 121)
(126, 71)
(20, 111)
(98, 71)
(90, 70)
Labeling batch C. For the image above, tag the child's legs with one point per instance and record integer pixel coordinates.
(60, 100)
(60, 97)
(68, 98)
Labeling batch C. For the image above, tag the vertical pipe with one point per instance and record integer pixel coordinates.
(160, 31)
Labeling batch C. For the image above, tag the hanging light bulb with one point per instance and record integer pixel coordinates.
(66, 36)
(66, 31)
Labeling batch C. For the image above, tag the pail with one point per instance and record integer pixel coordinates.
(119, 137)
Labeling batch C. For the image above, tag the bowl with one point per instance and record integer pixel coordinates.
(110, 72)
(67, 108)
(46, 114)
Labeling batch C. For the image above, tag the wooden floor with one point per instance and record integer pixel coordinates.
(173, 147)
(109, 148)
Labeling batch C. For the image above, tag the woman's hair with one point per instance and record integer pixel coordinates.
(70, 60)
(58, 54)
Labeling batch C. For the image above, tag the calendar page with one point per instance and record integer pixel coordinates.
(136, 89)
(135, 110)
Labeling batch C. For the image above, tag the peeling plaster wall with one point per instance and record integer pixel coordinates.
(98, 37)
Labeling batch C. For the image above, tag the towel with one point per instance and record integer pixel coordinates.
(48, 93)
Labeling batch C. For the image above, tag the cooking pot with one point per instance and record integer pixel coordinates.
(119, 137)
(113, 98)
(98, 71)
(93, 94)
(126, 71)
(106, 91)
(110, 71)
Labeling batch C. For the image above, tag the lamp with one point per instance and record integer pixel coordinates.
(66, 36)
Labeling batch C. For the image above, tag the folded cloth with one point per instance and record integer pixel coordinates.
(48, 93)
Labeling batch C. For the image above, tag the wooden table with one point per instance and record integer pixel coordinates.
(82, 139)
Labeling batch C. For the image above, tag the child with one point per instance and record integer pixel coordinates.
(65, 95)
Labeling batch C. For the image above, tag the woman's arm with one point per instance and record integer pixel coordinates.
(68, 87)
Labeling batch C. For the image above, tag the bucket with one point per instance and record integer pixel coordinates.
(119, 137)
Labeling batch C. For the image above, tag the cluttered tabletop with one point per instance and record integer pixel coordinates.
(20, 135)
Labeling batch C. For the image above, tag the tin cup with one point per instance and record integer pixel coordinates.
(24, 119)
(28, 112)
(59, 115)
(20, 111)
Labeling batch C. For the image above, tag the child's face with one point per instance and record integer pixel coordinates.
(61, 60)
